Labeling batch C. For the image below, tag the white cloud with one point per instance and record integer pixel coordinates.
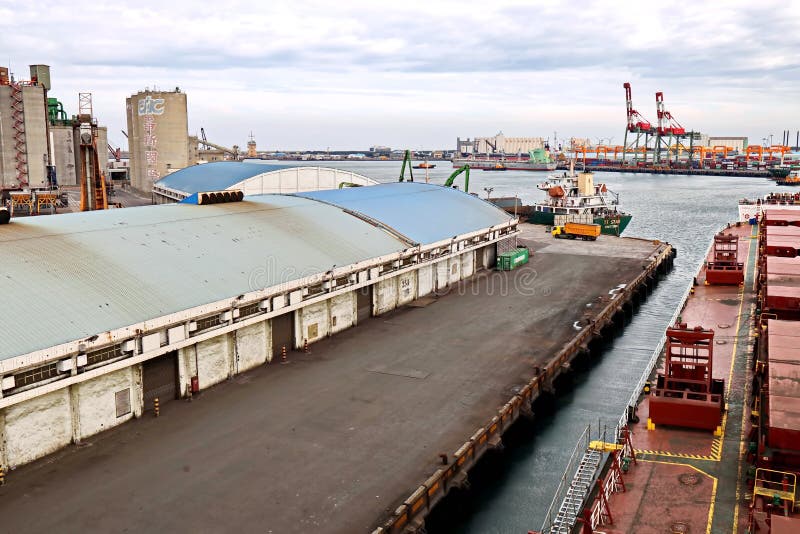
(350, 74)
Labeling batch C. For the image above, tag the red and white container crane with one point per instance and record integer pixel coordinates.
(635, 120)
(667, 125)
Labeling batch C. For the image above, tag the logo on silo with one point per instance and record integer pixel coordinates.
(151, 106)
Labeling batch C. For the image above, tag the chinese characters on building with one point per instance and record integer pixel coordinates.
(149, 107)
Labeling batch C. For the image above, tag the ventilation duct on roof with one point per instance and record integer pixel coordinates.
(219, 197)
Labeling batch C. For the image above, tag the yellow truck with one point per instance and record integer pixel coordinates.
(573, 230)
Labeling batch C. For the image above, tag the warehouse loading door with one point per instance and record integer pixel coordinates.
(160, 379)
(363, 304)
(282, 334)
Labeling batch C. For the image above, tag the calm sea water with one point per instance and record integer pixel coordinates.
(683, 210)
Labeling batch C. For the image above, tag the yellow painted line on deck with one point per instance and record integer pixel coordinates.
(682, 455)
(742, 446)
(713, 488)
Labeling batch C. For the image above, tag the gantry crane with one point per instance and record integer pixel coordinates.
(637, 125)
(668, 129)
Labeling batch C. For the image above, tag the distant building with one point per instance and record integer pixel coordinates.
(377, 151)
(737, 143)
(499, 144)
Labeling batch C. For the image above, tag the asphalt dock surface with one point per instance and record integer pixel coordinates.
(336, 439)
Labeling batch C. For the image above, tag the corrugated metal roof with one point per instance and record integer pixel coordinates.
(67, 277)
(425, 213)
(215, 176)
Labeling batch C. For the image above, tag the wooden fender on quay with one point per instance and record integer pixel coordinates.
(537, 394)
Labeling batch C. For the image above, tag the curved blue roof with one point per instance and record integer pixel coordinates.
(214, 176)
(424, 213)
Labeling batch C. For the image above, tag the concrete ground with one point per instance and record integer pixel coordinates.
(335, 439)
(127, 196)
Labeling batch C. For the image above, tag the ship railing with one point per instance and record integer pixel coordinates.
(567, 479)
(551, 524)
(629, 412)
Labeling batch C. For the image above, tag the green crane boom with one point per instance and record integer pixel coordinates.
(465, 170)
(406, 162)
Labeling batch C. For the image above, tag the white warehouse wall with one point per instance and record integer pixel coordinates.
(34, 428)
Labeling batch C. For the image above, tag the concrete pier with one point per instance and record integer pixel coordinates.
(348, 437)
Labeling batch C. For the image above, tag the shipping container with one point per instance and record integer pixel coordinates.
(512, 259)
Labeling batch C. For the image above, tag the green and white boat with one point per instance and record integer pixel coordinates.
(575, 197)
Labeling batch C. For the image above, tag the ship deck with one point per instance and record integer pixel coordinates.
(686, 480)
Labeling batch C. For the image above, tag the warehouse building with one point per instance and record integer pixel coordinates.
(498, 144)
(252, 179)
(165, 301)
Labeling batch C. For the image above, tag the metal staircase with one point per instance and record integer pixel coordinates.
(577, 492)
(20, 144)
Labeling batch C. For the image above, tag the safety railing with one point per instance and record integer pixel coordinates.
(630, 405)
(566, 480)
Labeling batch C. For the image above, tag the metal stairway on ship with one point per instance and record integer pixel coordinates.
(577, 493)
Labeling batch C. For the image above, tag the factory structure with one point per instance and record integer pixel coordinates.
(158, 138)
(235, 285)
(38, 140)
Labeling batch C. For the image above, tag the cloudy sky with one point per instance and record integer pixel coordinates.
(351, 74)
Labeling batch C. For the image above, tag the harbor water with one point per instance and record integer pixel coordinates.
(512, 495)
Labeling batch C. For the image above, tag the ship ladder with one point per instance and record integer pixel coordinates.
(578, 491)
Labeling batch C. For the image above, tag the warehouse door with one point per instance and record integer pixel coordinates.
(160, 379)
(282, 334)
(363, 304)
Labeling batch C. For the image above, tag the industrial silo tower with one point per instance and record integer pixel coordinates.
(158, 137)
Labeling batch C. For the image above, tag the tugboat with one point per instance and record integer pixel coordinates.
(497, 167)
(579, 199)
(793, 178)
(425, 165)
